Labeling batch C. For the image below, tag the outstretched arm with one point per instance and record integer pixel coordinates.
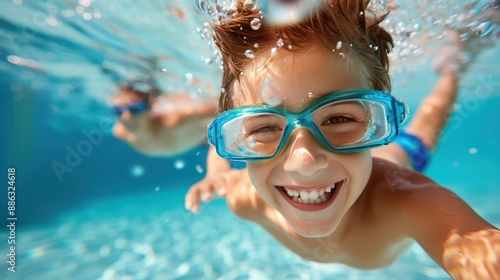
(456, 237)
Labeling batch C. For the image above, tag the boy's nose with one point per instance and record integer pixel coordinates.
(126, 115)
(305, 155)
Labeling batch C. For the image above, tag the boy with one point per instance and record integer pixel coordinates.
(312, 178)
(160, 125)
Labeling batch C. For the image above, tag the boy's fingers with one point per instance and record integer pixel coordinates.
(192, 200)
(220, 184)
(206, 196)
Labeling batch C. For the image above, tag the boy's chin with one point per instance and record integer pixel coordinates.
(314, 230)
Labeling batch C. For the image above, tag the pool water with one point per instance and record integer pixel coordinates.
(116, 214)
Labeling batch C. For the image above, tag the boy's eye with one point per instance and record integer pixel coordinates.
(338, 120)
(266, 129)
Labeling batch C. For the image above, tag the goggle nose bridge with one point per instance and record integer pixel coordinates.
(301, 122)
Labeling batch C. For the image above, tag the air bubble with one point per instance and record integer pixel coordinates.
(199, 169)
(179, 164)
(268, 95)
(255, 23)
(274, 51)
(342, 54)
(256, 45)
(339, 45)
(137, 171)
(472, 151)
(311, 94)
(251, 142)
(249, 54)
(280, 43)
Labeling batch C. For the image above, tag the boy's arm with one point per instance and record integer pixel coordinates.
(218, 178)
(241, 196)
(456, 237)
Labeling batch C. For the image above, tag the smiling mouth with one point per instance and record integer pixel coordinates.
(314, 200)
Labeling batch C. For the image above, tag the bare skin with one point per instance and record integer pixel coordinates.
(379, 207)
(175, 124)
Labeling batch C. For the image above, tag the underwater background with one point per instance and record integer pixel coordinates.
(114, 213)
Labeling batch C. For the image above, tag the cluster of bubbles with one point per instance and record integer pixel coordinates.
(221, 12)
(413, 21)
(405, 24)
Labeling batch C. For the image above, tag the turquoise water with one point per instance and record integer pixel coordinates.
(116, 214)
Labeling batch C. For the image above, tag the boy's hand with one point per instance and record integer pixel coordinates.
(216, 183)
(474, 255)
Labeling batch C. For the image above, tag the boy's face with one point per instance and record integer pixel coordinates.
(305, 166)
(131, 121)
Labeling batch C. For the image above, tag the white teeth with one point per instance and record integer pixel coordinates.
(304, 195)
(314, 196)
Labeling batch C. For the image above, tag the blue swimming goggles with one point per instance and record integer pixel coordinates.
(134, 108)
(346, 121)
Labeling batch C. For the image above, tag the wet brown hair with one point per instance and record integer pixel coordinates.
(348, 21)
(129, 90)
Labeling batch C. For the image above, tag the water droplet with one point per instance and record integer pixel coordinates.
(342, 54)
(248, 5)
(268, 94)
(339, 45)
(249, 54)
(189, 78)
(251, 142)
(137, 171)
(274, 51)
(256, 45)
(280, 43)
(255, 23)
(199, 169)
(289, 47)
(361, 13)
(311, 94)
(222, 90)
(179, 164)
(472, 151)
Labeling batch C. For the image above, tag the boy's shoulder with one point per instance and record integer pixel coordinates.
(394, 181)
(404, 195)
(415, 203)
